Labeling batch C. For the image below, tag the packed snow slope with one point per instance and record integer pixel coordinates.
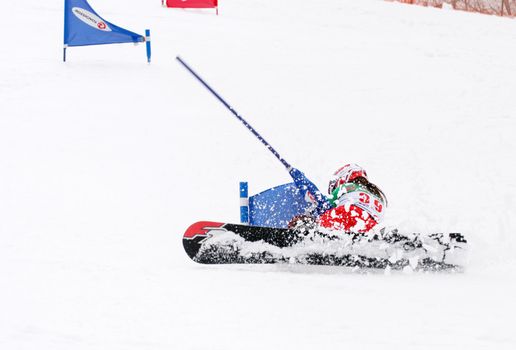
(106, 160)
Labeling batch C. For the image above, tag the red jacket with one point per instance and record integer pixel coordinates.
(355, 209)
(347, 218)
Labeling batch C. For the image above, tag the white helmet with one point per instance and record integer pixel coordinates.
(346, 174)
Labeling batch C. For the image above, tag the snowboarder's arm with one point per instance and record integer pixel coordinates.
(305, 185)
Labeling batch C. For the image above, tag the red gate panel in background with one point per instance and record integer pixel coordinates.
(192, 4)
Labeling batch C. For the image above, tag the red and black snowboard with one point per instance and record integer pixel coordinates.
(208, 242)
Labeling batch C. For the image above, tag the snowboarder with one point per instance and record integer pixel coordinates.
(355, 204)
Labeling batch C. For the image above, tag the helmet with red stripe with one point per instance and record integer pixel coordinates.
(345, 174)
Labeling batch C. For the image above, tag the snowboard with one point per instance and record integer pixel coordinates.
(209, 242)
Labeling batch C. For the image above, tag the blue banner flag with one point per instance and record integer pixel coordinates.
(83, 26)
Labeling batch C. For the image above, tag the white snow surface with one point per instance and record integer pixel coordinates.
(106, 160)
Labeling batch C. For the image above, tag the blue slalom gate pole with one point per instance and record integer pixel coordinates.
(244, 203)
(246, 124)
(147, 43)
